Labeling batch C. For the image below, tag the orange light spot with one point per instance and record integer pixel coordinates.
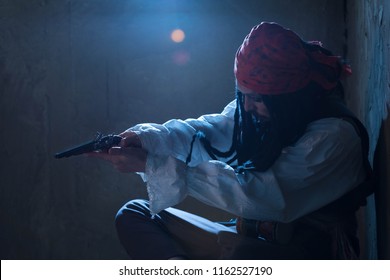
(178, 35)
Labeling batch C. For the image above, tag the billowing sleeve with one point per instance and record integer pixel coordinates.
(319, 168)
(322, 166)
(174, 137)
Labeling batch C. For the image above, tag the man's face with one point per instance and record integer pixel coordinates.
(253, 103)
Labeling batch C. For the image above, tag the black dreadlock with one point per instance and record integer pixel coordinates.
(257, 144)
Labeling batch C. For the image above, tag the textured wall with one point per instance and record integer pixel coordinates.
(69, 68)
(369, 96)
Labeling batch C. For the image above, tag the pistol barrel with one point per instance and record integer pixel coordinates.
(78, 150)
(101, 143)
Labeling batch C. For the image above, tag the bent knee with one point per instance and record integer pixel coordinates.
(132, 209)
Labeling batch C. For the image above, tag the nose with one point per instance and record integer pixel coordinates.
(249, 104)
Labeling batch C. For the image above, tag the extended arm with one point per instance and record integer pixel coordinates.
(172, 138)
(322, 166)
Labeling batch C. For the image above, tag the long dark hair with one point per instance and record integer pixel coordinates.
(257, 144)
(262, 142)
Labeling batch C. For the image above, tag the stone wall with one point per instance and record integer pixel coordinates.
(368, 25)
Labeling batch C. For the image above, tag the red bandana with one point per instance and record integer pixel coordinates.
(274, 60)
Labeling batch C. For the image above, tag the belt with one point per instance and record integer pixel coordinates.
(271, 231)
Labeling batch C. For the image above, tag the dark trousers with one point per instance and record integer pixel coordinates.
(171, 233)
(174, 233)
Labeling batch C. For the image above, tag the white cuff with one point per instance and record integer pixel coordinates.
(165, 182)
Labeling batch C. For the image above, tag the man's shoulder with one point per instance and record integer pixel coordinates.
(230, 108)
(332, 127)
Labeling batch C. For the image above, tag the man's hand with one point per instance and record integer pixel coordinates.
(128, 156)
(130, 139)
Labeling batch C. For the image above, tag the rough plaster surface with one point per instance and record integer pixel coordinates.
(369, 87)
(70, 68)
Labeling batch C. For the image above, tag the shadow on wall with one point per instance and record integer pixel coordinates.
(382, 194)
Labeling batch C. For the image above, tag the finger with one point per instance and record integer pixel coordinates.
(126, 134)
(131, 140)
(115, 151)
(101, 155)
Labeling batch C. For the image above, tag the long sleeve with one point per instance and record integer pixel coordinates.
(324, 164)
(174, 137)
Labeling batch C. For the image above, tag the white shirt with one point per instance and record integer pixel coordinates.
(325, 163)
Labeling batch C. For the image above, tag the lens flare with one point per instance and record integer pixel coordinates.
(181, 57)
(178, 35)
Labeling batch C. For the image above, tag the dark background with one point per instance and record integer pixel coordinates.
(70, 68)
